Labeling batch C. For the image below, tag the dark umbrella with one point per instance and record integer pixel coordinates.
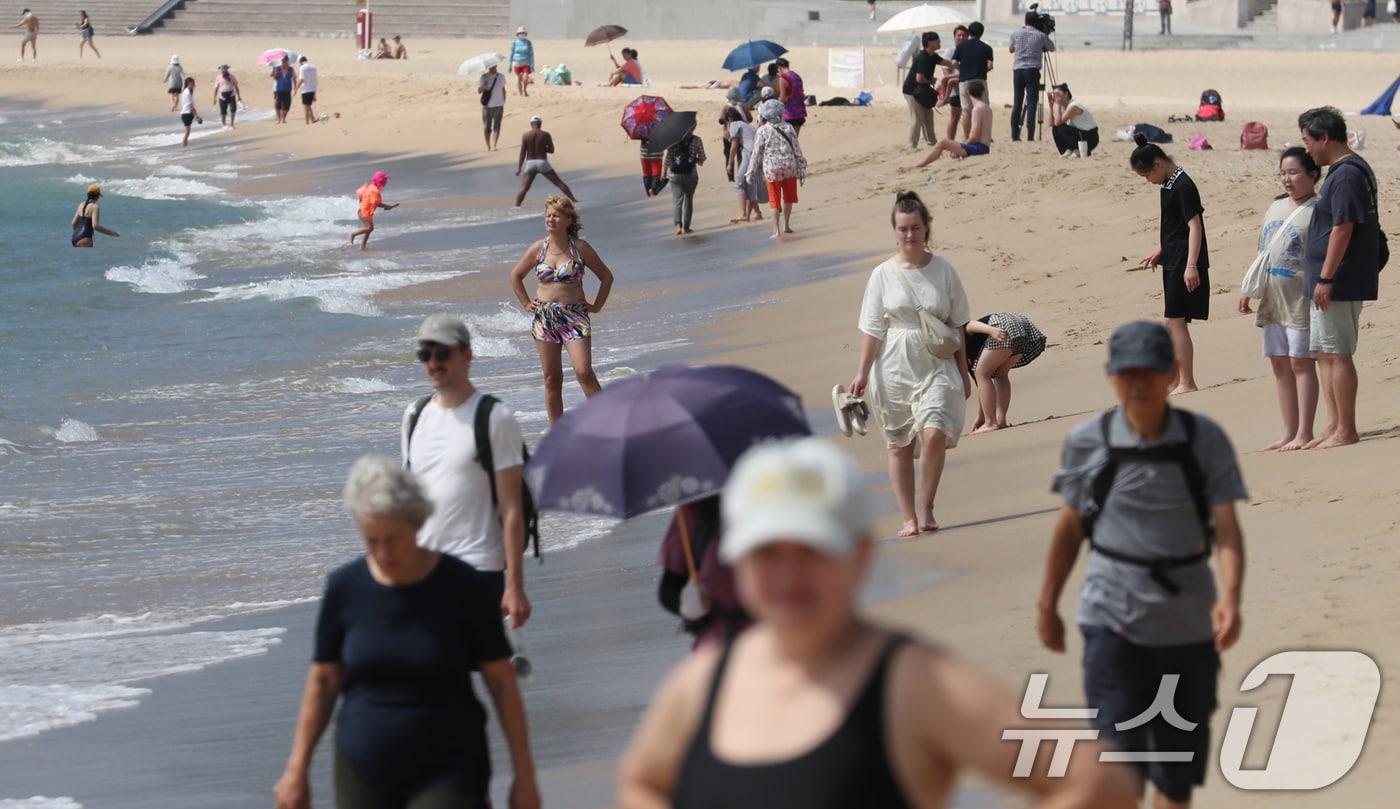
(670, 131)
(605, 34)
(752, 54)
(660, 439)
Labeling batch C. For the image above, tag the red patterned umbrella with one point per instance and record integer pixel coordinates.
(642, 114)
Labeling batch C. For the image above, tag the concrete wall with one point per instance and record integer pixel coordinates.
(1224, 14)
(1315, 16)
(658, 19)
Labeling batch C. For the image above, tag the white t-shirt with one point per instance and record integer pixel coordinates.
(186, 101)
(498, 90)
(307, 74)
(443, 458)
(1084, 120)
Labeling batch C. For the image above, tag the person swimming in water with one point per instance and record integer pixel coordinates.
(371, 200)
(85, 219)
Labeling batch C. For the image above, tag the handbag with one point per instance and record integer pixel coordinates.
(941, 340)
(926, 96)
(1255, 277)
(486, 94)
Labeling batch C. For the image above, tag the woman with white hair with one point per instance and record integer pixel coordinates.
(399, 633)
(813, 707)
(778, 154)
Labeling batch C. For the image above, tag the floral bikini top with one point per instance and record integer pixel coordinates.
(570, 272)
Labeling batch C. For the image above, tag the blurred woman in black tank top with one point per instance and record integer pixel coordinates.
(813, 707)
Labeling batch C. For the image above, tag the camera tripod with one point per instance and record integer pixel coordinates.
(1047, 79)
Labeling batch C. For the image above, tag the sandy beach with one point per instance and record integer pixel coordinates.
(1055, 239)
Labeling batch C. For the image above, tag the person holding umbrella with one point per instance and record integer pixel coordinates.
(283, 77)
(682, 166)
(492, 87)
(629, 71)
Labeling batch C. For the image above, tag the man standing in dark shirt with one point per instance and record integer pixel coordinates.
(1029, 46)
(919, 92)
(973, 60)
(1342, 263)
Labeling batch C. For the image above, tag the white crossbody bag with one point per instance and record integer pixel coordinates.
(1256, 277)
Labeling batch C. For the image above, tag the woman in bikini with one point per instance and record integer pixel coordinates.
(560, 308)
(85, 220)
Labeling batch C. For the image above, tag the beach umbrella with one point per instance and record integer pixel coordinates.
(923, 18)
(274, 56)
(752, 54)
(480, 63)
(658, 440)
(670, 130)
(605, 34)
(642, 114)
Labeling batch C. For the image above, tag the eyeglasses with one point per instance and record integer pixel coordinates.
(441, 353)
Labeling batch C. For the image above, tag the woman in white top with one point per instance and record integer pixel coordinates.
(1283, 306)
(916, 396)
(1070, 123)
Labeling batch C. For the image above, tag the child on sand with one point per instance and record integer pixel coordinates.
(371, 200)
(996, 343)
(1181, 253)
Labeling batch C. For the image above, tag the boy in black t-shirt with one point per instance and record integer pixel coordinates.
(918, 88)
(1182, 253)
(973, 59)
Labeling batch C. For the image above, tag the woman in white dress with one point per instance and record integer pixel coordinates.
(919, 398)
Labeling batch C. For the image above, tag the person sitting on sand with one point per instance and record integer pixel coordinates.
(383, 52)
(1284, 306)
(400, 50)
(996, 343)
(778, 155)
(399, 633)
(978, 143)
(86, 220)
(536, 146)
(813, 706)
(371, 199)
(628, 72)
(918, 398)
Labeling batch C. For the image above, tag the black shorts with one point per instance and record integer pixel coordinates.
(228, 102)
(1178, 303)
(186, 118)
(282, 101)
(1122, 679)
(308, 99)
(796, 123)
(1336, 6)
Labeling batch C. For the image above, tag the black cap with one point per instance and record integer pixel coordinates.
(1140, 344)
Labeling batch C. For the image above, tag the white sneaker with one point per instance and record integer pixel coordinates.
(1065, 154)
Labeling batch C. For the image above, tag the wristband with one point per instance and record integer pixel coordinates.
(1324, 280)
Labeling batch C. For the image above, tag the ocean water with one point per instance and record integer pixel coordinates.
(178, 405)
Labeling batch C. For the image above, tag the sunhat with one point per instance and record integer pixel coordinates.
(95, 189)
(520, 30)
(804, 491)
(175, 60)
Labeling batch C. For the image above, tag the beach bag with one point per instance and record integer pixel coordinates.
(941, 340)
(1154, 134)
(481, 428)
(1256, 276)
(1198, 143)
(864, 99)
(926, 95)
(486, 94)
(1211, 108)
(682, 161)
(1383, 248)
(1254, 135)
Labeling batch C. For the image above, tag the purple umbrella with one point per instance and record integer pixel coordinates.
(659, 439)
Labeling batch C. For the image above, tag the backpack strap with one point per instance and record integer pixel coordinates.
(413, 415)
(481, 425)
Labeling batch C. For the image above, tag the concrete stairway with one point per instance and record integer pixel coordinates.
(336, 18)
(57, 17)
(1266, 21)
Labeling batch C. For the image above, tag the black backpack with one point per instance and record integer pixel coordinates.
(682, 161)
(482, 428)
(1182, 454)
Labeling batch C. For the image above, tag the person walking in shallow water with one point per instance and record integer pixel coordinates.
(371, 200)
(86, 219)
(188, 114)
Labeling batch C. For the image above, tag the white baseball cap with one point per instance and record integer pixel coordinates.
(805, 491)
(535, 119)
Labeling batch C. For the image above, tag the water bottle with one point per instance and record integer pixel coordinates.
(518, 661)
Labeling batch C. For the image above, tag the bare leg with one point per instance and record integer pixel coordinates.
(902, 480)
(1344, 385)
(743, 209)
(1185, 354)
(987, 366)
(931, 471)
(1329, 396)
(953, 118)
(1305, 386)
(1003, 383)
(581, 357)
(186, 141)
(777, 223)
(525, 184)
(787, 217)
(488, 138)
(553, 177)
(552, 367)
(1287, 401)
(94, 50)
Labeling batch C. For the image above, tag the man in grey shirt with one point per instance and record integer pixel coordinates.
(1029, 46)
(1153, 488)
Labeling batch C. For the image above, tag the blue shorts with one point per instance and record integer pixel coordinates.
(976, 149)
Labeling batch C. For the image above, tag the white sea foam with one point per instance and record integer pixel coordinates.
(507, 319)
(360, 265)
(487, 346)
(158, 276)
(560, 532)
(335, 294)
(82, 179)
(8, 447)
(172, 138)
(176, 170)
(38, 801)
(72, 431)
(161, 188)
(359, 384)
(43, 151)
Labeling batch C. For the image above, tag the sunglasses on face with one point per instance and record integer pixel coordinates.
(440, 353)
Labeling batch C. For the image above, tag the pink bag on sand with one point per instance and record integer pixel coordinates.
(1198, 143)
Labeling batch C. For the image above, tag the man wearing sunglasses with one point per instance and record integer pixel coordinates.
(439, 445)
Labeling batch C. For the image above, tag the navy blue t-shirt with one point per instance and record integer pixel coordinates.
(1345, 198)
(973, 56)
(408, 716)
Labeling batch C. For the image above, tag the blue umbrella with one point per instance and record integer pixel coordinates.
(752, 54)
(660, 439)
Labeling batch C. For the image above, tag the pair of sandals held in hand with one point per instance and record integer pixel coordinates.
(852, 413)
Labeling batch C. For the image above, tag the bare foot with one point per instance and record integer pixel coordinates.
(987, 428)
(787, 230)
(929, 526)
(1326, 434)
(1183, 388)
(1339, 439)
(679, 231)
(1301, 442)
(737, 221)
(1279, 444)
(910, 529)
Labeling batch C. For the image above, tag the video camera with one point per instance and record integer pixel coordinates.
(1039, 20)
